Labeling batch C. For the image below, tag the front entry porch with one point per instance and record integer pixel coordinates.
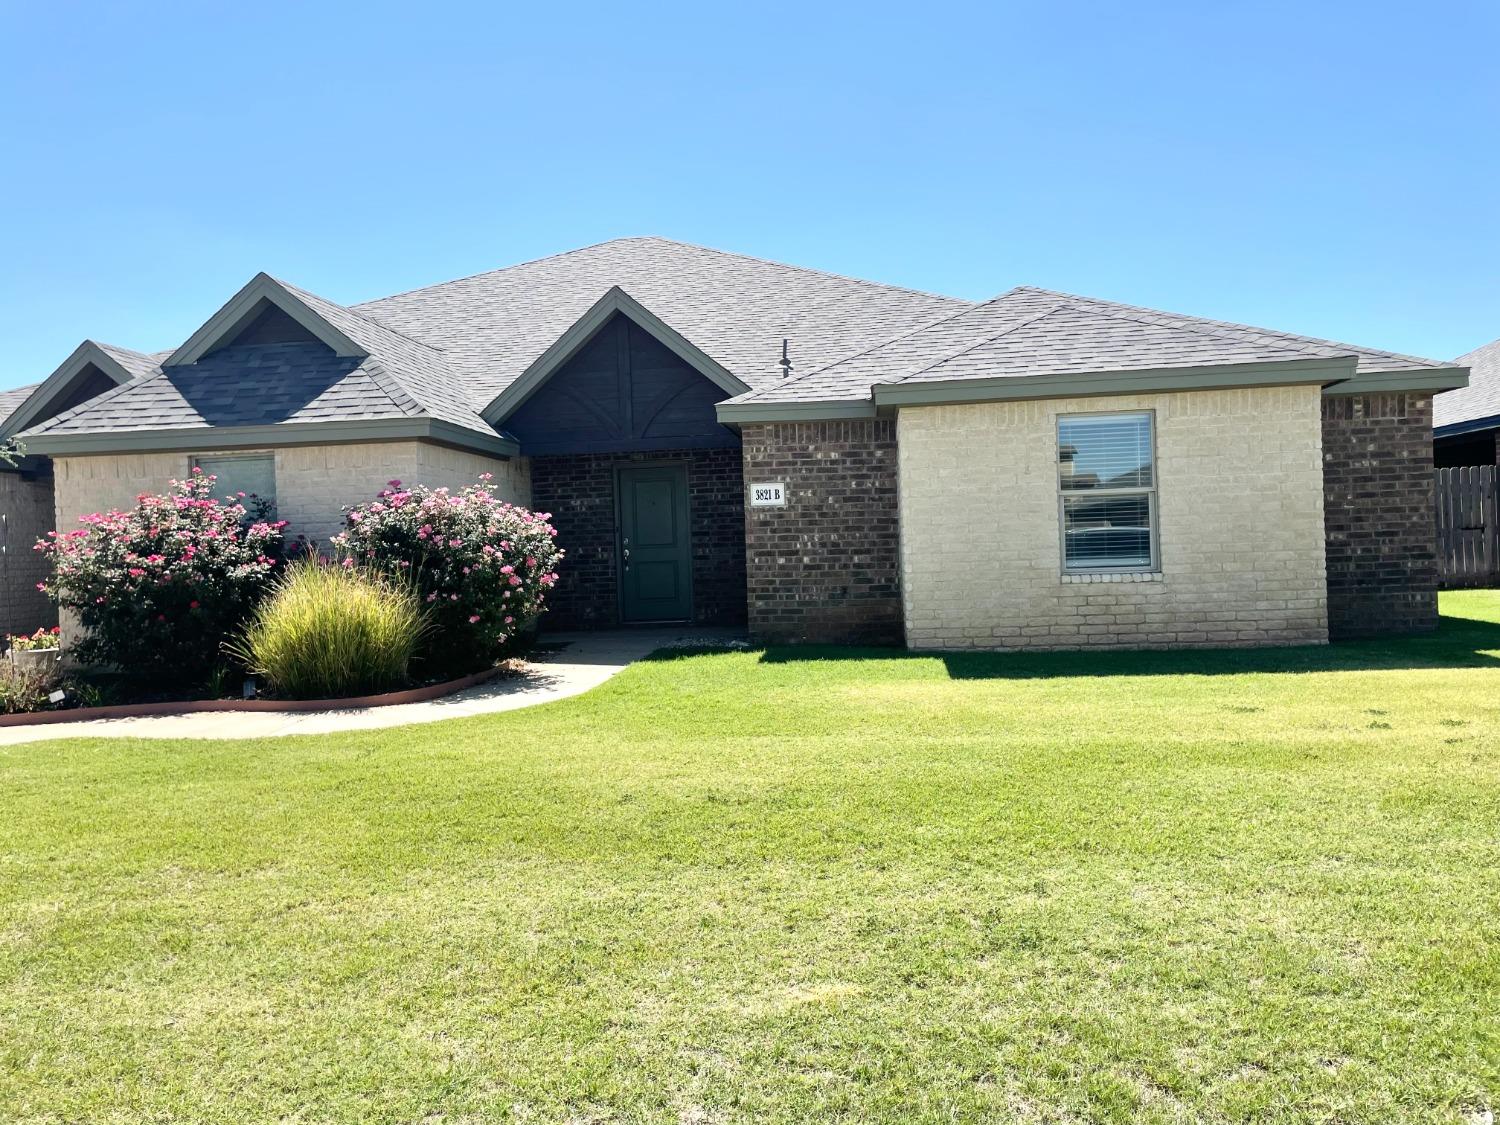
(650, 537)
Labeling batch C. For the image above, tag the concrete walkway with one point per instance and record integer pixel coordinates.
(568, 664)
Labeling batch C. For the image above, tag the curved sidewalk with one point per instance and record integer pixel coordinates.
(578, 662)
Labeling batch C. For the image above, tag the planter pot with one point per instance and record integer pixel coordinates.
(34, 659)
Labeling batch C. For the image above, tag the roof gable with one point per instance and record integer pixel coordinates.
(615, 302)
(622, 391)
(237, 315)
(92, 369)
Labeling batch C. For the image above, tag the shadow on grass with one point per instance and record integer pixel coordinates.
(1458, 642)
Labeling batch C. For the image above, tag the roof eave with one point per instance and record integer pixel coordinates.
(1467, 426)
(277, 435)
(1432, 380)
(508, 401)
(825, 410)
(1083, 384)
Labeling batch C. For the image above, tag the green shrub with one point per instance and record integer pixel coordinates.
(160, 586)
(23, 690)
(330, 631)
(482, 566)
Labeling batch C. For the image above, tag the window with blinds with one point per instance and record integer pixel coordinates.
(1106, 476)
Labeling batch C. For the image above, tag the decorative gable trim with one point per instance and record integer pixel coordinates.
(61, 383)
(616, 300)
(243, 306)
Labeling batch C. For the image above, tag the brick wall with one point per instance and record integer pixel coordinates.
(1240, 520)
(26, 514)
(579, 491)
(313, 482)
(826, 567)
(1382, 568)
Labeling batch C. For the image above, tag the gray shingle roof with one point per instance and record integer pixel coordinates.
(737, 309)
(138, 364)
(253, 385)
(411, 372)
(1481, 398)
(1030, 331)
(447, 350)
(10, 400)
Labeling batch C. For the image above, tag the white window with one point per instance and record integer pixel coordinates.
(1106, 477)
(247, 478)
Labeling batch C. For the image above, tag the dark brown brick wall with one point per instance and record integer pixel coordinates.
(826, 567)
(579, 491)
(1378, 512)
(26, 514)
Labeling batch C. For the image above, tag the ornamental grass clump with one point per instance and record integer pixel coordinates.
(328, 631)
(481, 566)
(159, 587)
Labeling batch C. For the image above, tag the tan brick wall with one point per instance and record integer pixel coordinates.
(313, 483)
(83, 485)
(1240, 502)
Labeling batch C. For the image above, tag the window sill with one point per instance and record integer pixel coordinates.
(1112, 576)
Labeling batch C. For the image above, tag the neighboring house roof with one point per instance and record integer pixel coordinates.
(1477, 406)
(11, 399)
(72, 379)
(460, 356)
(1028, 332)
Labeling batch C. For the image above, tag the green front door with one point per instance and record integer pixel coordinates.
(655, 547)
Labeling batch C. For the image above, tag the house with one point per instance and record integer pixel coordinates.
(725, 439)
(1466, 419)
(26, 512)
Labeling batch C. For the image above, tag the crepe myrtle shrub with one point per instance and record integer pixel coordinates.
(481, 566)
(160, 586)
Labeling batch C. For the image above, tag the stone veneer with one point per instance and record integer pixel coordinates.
(313, 482)
(826, 567)
(26, 514)
(1378, 499)
(579, 490)
(1240, 502)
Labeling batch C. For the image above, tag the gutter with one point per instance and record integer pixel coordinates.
(204, 438)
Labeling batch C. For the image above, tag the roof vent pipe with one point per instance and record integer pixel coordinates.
(786, 360)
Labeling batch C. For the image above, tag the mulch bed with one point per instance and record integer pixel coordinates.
(192, 707)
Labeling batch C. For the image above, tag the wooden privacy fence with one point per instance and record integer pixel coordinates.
(1468, 532)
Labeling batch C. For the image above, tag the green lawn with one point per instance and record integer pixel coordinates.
(786, 886)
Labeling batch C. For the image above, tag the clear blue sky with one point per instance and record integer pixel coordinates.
(1320, 167)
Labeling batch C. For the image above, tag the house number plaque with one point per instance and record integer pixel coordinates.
(772, 495)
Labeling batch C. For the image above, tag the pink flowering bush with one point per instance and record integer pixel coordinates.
(159, 587)
(482, 567)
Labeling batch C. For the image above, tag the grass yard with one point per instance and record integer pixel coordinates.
(782, 886)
